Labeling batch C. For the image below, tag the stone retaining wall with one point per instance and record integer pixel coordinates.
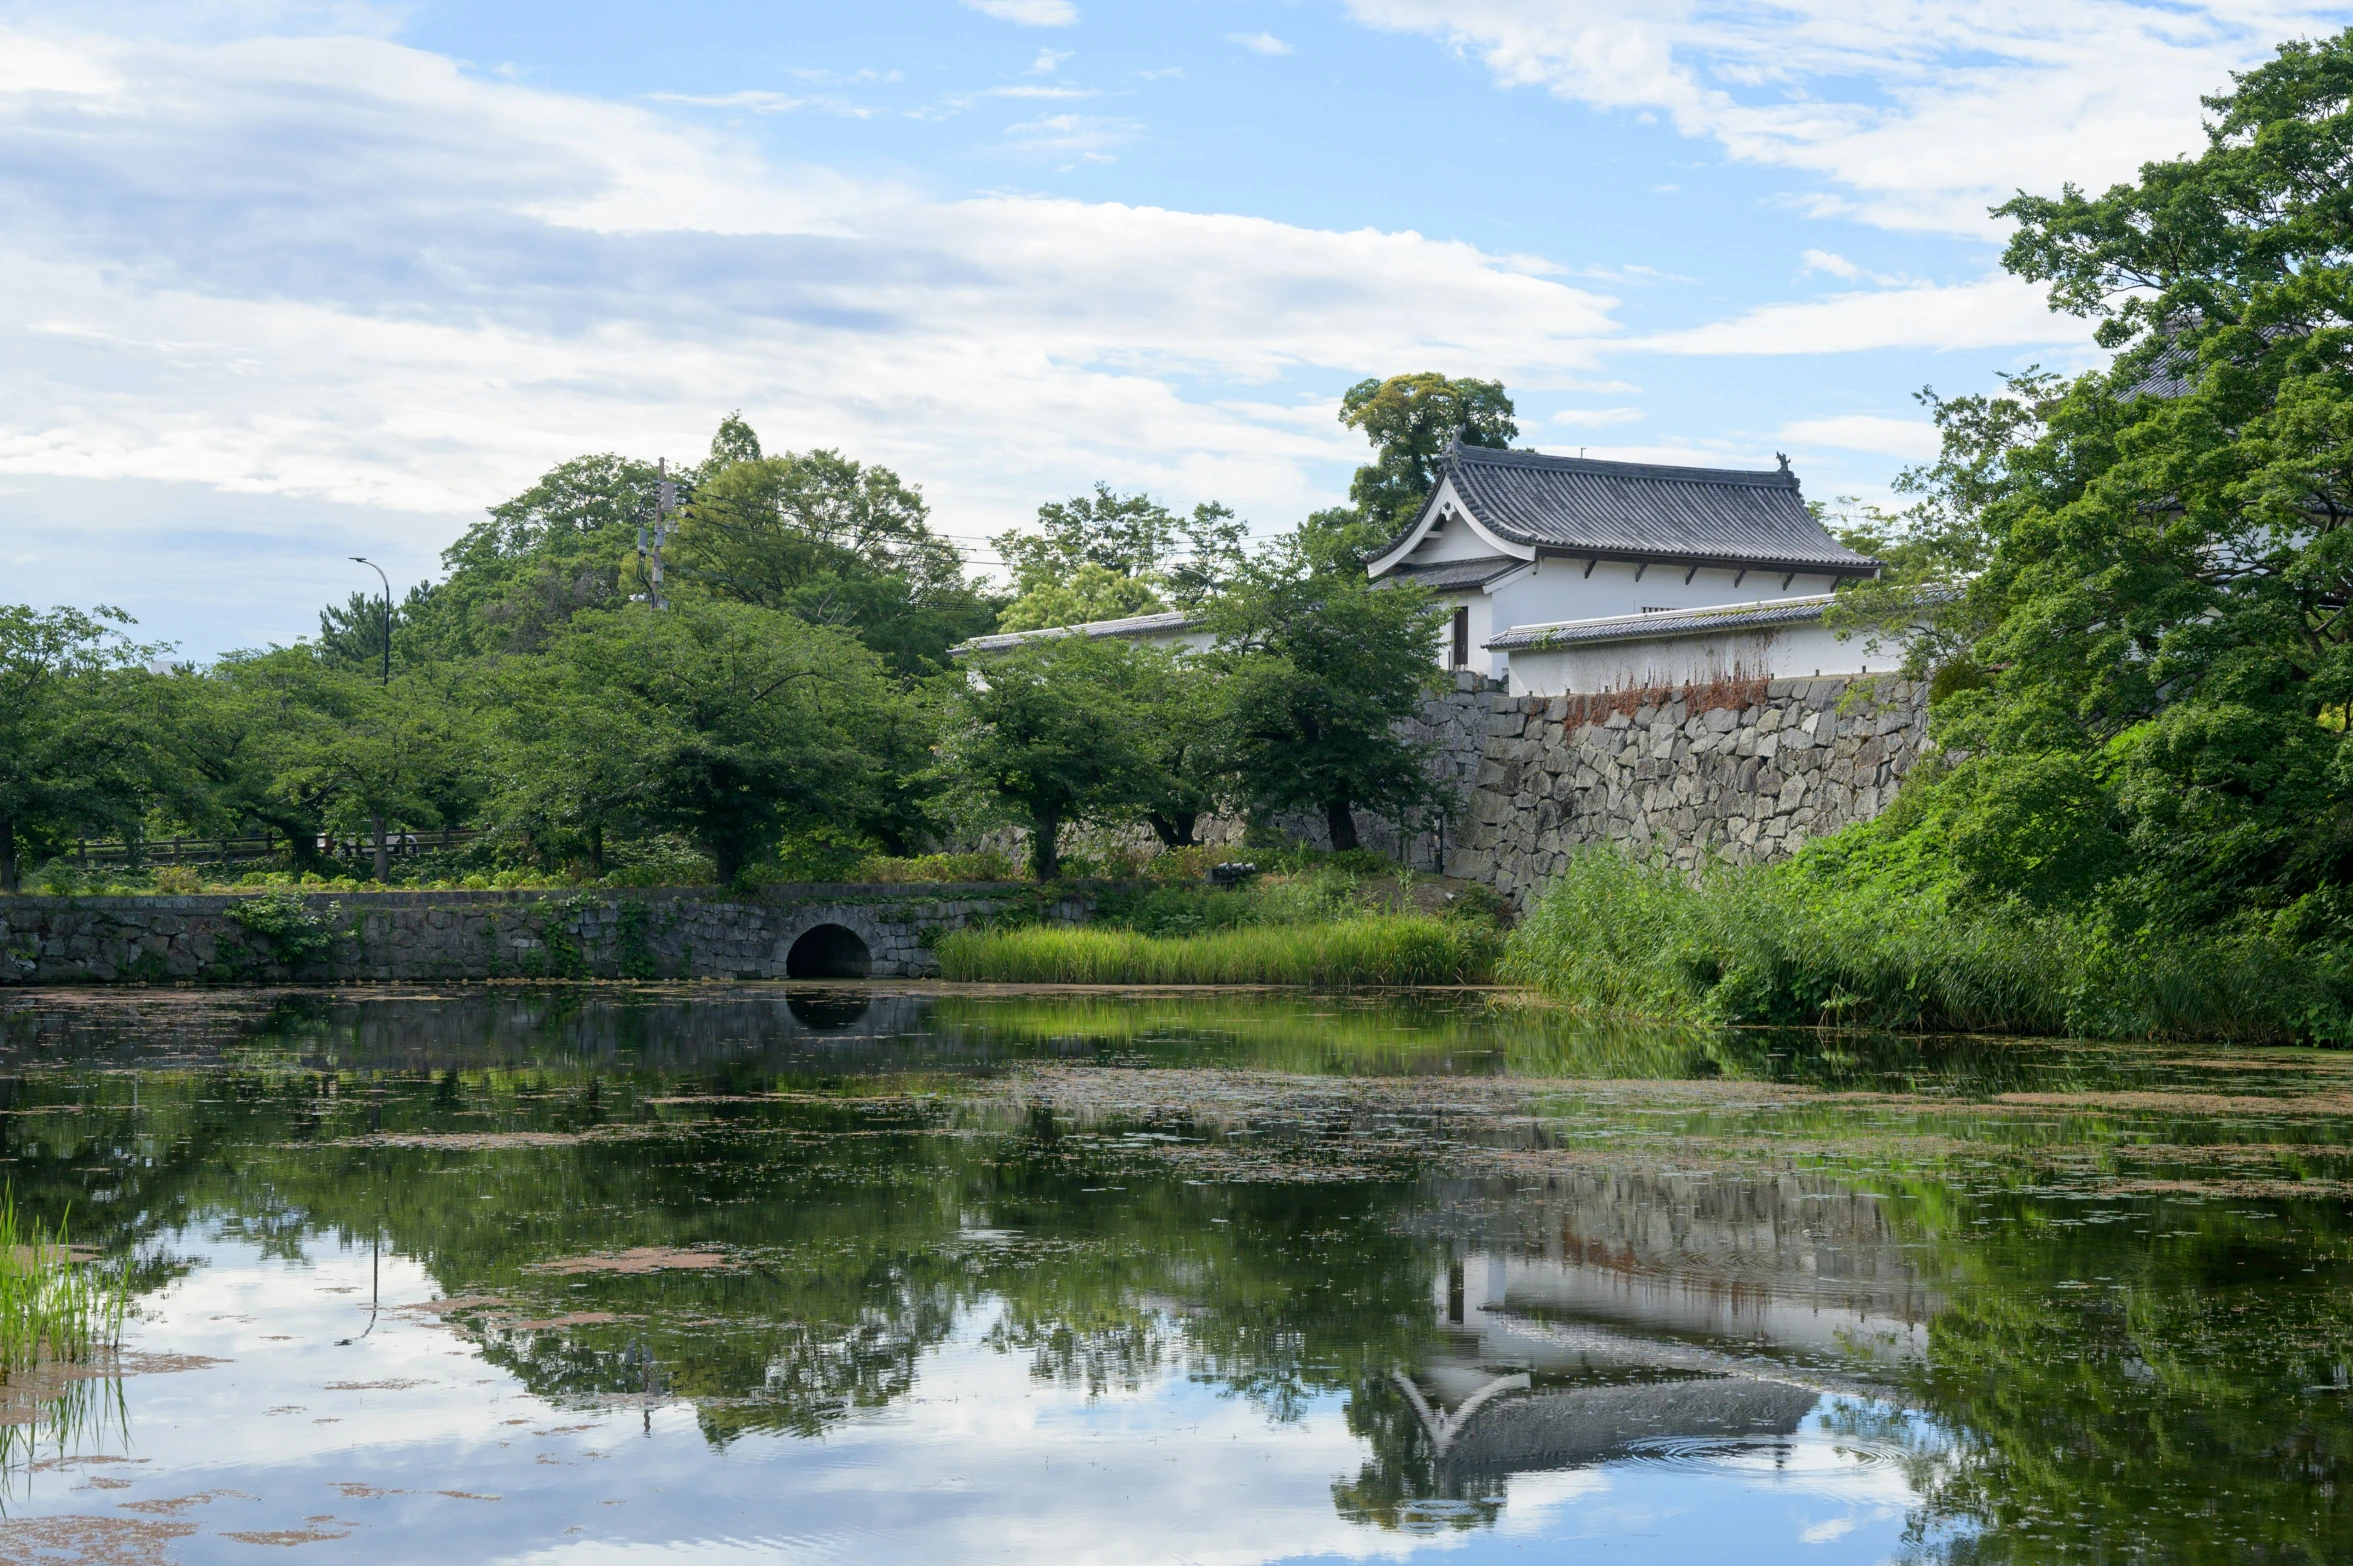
(1747, 769)
(425, 936)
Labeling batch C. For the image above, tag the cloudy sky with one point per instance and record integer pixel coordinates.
(282, 283)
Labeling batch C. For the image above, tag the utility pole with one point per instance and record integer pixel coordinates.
(383, 855)
(649, 563)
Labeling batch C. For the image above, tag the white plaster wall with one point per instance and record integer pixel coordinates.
(1195, 640)
(1557, 590)
(1459, 538)
(1773, 653)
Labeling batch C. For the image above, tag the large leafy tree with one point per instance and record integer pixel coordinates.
(1047, 735)
(566, 544)
(832, 541)
(2144, 647)
(84, 746)
(1106, 555)
(292, 739)
(1319, 668)
(729, 724)
(1411, 420)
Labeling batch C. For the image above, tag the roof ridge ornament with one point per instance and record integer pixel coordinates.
(1782, 457)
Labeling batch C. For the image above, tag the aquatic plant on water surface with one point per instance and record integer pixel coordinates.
(53, 1304)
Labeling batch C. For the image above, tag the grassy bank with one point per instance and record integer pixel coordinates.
(1776, 944)
(1377, 948)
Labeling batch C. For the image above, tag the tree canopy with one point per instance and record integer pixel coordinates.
(1321, 666)
(2133, 585)
(1411, 420)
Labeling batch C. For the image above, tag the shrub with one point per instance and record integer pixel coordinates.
(1190, 864)
(178, 880)
(286, 924)
(1787, 944)
(1376, 949)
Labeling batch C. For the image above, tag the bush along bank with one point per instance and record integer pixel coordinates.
(1370, 949)
(1813, 942)
(1332, 921)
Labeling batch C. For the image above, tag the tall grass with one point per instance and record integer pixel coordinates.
(1768, 944)
(1373, 949)
(52, 1305)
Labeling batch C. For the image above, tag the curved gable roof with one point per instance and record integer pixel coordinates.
(1640, 510)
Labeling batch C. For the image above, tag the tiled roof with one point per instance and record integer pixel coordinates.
(1642, 511)
(1460, 573)
(1133, 625)
(1666, 623)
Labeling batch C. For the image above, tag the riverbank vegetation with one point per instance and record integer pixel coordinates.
(2130, 593)
(1322, 926)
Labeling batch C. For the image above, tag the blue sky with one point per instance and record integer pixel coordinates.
(284, 283)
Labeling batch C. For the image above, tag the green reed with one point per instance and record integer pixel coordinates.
(1374, 949)
(53, 1306)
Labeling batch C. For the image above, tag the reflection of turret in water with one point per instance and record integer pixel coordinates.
(1783, 1264)
(1611, 1315)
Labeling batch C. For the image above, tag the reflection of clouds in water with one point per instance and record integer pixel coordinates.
(983, 1461)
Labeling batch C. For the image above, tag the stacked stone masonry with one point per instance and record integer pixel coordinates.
(1743, 769)
(424, 936)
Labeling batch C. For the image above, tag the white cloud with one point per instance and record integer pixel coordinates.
(1049, 60)
(344, 269)
(1166, 72)
(1085, 135)
(1589, 418)
(1918, 114)
(1913, 440)
(1259, 43)
(1997, 311)
(1827, 261)
(758, 102)
(1032, 90)
(1028, 13)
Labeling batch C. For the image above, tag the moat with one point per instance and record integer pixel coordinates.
(900, 1272)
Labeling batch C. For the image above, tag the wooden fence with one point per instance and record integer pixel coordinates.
(268, 847)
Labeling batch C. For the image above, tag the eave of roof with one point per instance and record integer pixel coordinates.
(1443, 574)
(1663, 625)
(1132, 625)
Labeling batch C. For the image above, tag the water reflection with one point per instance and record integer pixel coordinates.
(935, 1308)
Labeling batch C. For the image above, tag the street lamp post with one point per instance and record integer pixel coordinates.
(383, 853)
(387, 581)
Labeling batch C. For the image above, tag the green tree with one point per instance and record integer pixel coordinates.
(833, 541)
(1048, 735)
(1106, 556)
(291, 738)
(1411, 420)
(729, 724)
(1319, 668)
(565, 544)
(1091, 592)
(1185, 741)
(81, 744)
(2150, 564)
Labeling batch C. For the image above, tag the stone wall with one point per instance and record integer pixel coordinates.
(424, 936)
(1747, 769)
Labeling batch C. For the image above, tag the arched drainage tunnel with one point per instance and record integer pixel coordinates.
(829, 951)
